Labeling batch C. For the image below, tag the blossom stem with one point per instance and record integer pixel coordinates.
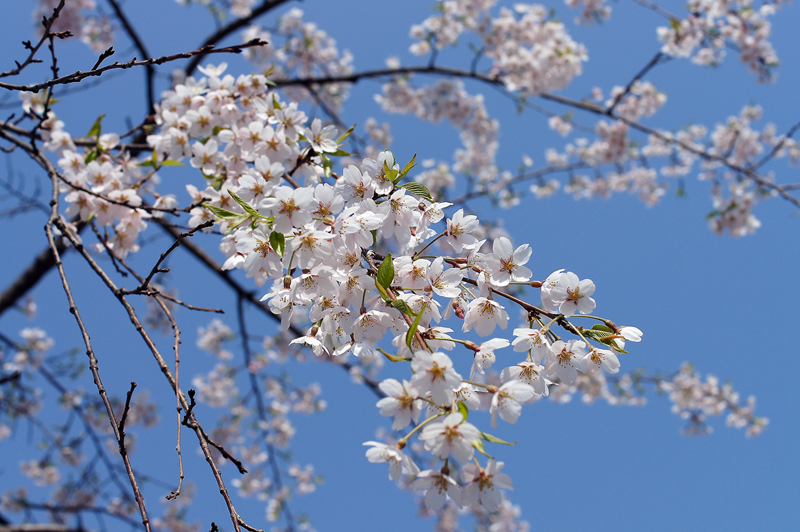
(417, 254)
(405, 438)
(477, 384)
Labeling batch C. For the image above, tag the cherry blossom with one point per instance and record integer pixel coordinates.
(380, 452)
(482, 484)
(434, 374)
(564, 359)
(484, 315)
(452, 435)
(573, 294)
(506, 401)
(439, 487)
(401, 401)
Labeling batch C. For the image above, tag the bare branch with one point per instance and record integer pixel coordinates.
(79, 75)
(228, 29)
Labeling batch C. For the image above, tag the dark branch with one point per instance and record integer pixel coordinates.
(78, 76)
(150, 71)
(226, 30)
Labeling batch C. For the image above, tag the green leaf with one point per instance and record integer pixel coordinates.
(275, 103)
(413, 329)
(390, 173)
(345, 135)
(419, 189)
(221, 213)
(403, 307)
(235, 224)
(478, 444)
(278, 242)
(246, 206)
(494, 439)
(463, 410)
(394, 358)
(407, 168)
(95, 131)
(616, 348)
(340, 153)
(383, 293)
(327, 165)
(386, 272)
(156, 164)
(91, 155)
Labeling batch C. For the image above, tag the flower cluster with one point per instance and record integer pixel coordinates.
(303, 50)
(711, 25)
(530, 52)
(696, 400)
(80, 17)
(322, 248)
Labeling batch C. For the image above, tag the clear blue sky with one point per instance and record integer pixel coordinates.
(728, 306)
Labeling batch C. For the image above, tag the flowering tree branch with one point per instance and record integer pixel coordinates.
(78, 76)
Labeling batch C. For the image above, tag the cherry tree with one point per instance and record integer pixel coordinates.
(240, 175)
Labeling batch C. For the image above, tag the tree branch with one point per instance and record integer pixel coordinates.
(226, 30)
(79, 75)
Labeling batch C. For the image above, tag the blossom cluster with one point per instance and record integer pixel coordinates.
(323, 246)
(301, 49)
(370, 264)
(530, 52)
(81, 18)
(695, 400)
(730, 146)
(711, 25)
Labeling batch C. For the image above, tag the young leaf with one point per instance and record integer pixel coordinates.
(340, 153)
(386, 272)
(407, 168)
(246, 206)
(278, 242)
(419, 189)
(394, 358)
(463, 410)
(413, 329)
(156, 164)
(345, 135)
(390, 173)
(403, 307)
(95, 131)
(494, 439)
(221, 213)
(382, 291)
(327, 165)
(478, 444)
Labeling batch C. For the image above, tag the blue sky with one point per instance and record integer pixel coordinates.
(728, 306)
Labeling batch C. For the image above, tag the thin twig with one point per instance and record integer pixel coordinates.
(262, 415)
(79, 75)
(55, 220)
(47, 22)
(157, 268)
(150, 71)
(228, 29)
(124, 418)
